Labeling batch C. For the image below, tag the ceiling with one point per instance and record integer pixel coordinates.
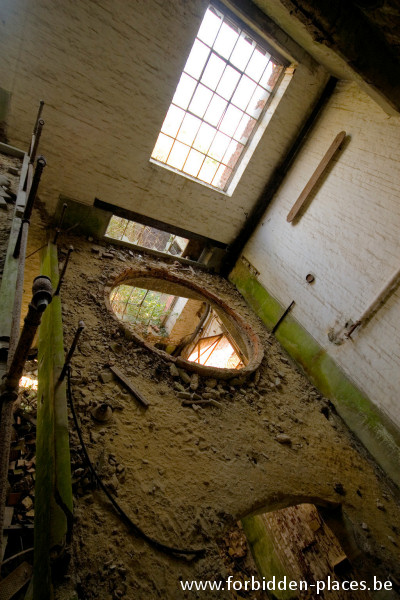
(353, 39)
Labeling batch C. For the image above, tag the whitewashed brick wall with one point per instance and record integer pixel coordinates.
(348, 238)
(107, 71)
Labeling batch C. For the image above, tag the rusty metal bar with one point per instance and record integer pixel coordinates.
(39, 114)
(65, 265)
(279, 321)
(40, 164)
(81, 327)
(41, 298)
(36, 141)
(35, 128)
(59, 226)
(19, 286)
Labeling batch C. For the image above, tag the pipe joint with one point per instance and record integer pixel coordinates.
(42, 293)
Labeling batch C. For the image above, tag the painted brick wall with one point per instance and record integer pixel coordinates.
(348, 238)
(107, 72)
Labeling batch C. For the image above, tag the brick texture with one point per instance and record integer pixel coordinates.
(348, 238)
(107, 72)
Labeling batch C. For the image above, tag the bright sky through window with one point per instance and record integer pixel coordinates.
(222, 92)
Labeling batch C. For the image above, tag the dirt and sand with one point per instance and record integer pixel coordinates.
(187, 475)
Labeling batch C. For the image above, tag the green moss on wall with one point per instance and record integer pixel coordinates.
(268, 562)
(378, 434)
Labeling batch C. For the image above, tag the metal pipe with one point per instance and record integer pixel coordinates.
(81, 327)
(377, 302)
(40, 164)
(59, 226)
(39, 114)
(65, 265)
(36, 141)
(41, 298)
(35, 128)
(19, 287)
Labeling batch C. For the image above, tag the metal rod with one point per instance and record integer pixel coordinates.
(287, 311)
(37, 250)
(81, 327)
(40, 164)
(65, 265)
(352, 329)
(36, 140)
(39, 114)
(44, 245)
(41, 297)
(58, 228)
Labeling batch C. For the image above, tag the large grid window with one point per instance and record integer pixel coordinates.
(223, 90)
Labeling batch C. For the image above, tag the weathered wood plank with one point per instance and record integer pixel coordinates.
(312, 182)
(15, 581)
(129, 385)
(53, 491)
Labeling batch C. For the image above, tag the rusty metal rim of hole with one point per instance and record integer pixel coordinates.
(253, 344)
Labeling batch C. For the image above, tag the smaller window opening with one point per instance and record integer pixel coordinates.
(145, 236)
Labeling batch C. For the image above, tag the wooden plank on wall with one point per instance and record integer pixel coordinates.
(314, 179)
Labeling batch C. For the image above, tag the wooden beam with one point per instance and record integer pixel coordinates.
(315, 177)
(129, 385)
(15, 581)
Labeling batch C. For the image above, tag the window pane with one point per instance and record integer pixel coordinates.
(257, 102)
(210, 26)
(242, 51)
(208, 170)
(213, 71)
(271, 76)
(193, 163)
(200, 100)
(215, 110)
(232, 154)
(178, 155)
(231, 120)
(116, 227)
(197, 59)
(226, 39)
(257, 63)
(189, 129)
(244, 92)
(221, 177)
(228, 82)
(219, 146)
(245, 128)
(184, 91)
(172, 120)
(162, 148)
(204, 138)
